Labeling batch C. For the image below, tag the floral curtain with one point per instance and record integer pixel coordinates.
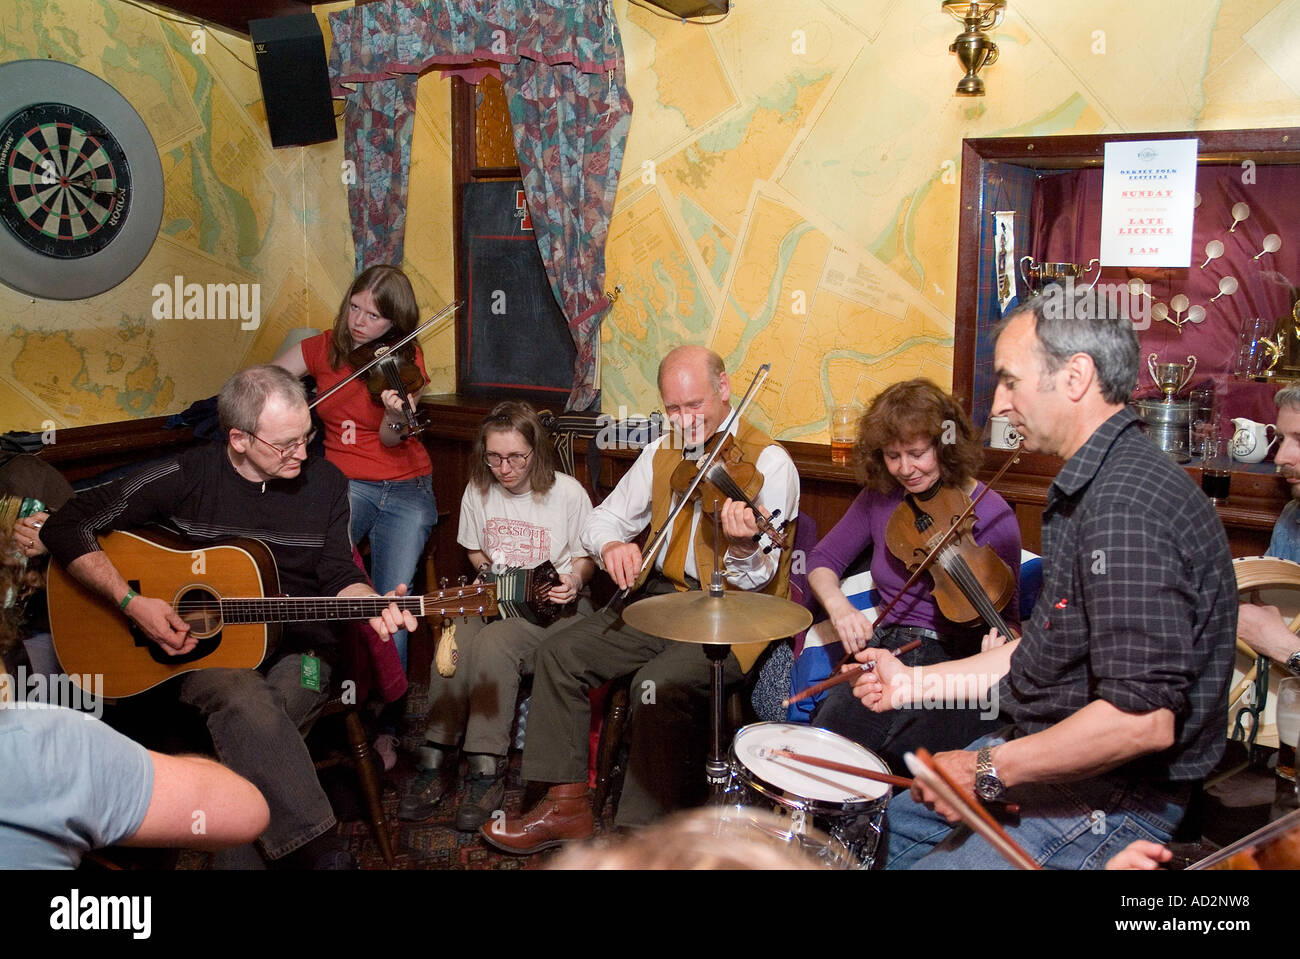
(562, 65)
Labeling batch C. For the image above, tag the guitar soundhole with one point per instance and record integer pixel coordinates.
(202, 610)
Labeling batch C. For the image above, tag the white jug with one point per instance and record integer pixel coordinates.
(1250, 442)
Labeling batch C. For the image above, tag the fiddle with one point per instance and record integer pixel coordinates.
(729, 476)
(378, 358)
(1274, 846)
(701, 470)
(971, 583)
(391, 368)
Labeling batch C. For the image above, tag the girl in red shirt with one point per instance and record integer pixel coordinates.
(391, 483)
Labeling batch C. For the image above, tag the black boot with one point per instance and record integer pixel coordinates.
(486, 782)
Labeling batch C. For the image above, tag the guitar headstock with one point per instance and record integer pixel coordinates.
(473, 599)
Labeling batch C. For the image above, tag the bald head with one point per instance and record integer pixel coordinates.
(697, 358)
(695, 391)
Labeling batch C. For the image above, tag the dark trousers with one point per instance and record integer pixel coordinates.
(668, 711)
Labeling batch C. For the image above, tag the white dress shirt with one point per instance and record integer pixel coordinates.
(626, 512)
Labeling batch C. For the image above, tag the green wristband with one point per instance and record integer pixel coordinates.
(130, 595)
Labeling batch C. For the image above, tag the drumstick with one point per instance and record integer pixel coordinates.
(844, 677)
(879, 777)
(968, 808)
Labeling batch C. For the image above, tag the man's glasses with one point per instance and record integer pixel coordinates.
(285, 451)
(516, 460)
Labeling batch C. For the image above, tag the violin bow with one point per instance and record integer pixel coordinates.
(449, 308)
(974, 815)
(944, 540)
(661, 534)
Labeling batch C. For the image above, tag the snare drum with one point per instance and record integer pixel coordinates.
(846, 807)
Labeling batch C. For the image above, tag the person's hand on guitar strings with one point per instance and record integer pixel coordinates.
(393, 618)
(161, 623)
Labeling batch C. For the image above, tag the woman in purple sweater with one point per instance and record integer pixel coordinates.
(912, 438)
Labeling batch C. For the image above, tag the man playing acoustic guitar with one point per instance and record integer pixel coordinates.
(258, 484)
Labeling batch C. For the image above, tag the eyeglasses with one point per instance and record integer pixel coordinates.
(516, 460)
(285, 451)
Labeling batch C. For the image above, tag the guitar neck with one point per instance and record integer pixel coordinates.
(299, 609)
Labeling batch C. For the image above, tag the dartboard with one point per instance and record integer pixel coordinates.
(80, 182)
(67, 181)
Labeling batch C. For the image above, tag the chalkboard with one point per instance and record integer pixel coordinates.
(514, 338)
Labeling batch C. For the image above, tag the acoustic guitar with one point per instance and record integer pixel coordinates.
(227, 592)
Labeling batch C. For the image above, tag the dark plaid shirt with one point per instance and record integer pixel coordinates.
(1138, 606)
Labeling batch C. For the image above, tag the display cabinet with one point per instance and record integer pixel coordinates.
(1231, 312)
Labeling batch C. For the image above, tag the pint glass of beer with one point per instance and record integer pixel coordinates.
(844, 430)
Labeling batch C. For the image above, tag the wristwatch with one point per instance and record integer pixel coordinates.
(1293, 662)
(987, 783)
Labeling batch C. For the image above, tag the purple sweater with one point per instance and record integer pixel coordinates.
(864, 524)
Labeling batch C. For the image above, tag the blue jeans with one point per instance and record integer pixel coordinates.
(397, 515)
(1078, 825)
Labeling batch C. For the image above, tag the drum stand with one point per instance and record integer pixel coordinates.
(716, 619)
(715, 767)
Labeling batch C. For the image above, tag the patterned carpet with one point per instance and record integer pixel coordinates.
(435, 843)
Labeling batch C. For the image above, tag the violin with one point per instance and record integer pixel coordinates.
(696, 476)
(392, 368)
(369, 355)
(1273, 846)
(729, 476)
(971, 583)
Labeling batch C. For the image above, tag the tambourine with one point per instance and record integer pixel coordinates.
(1269, 581)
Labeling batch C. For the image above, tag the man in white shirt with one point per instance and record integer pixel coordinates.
(672, 679)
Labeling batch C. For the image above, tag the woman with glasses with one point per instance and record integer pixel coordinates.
(518, 511)
(390, 485)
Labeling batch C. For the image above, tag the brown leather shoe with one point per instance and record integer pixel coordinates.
(563, 815)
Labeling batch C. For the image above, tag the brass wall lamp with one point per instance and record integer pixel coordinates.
(973, 47)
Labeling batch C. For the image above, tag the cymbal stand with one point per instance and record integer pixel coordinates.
(715, 767)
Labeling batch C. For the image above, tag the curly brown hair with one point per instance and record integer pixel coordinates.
(915, 409)
(522, 418)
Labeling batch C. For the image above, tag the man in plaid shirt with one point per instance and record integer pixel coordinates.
(1117, 692)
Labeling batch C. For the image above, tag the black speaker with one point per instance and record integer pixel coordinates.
(295, 82)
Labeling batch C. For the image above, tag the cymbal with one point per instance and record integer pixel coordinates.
(732, 618)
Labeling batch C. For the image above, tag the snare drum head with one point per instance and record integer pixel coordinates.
(755, 748)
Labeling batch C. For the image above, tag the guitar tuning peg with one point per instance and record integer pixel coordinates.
(442, 582)
(776, 512)
(766, 550)
(461, 581)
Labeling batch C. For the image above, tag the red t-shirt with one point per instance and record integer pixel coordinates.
(352, 422)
